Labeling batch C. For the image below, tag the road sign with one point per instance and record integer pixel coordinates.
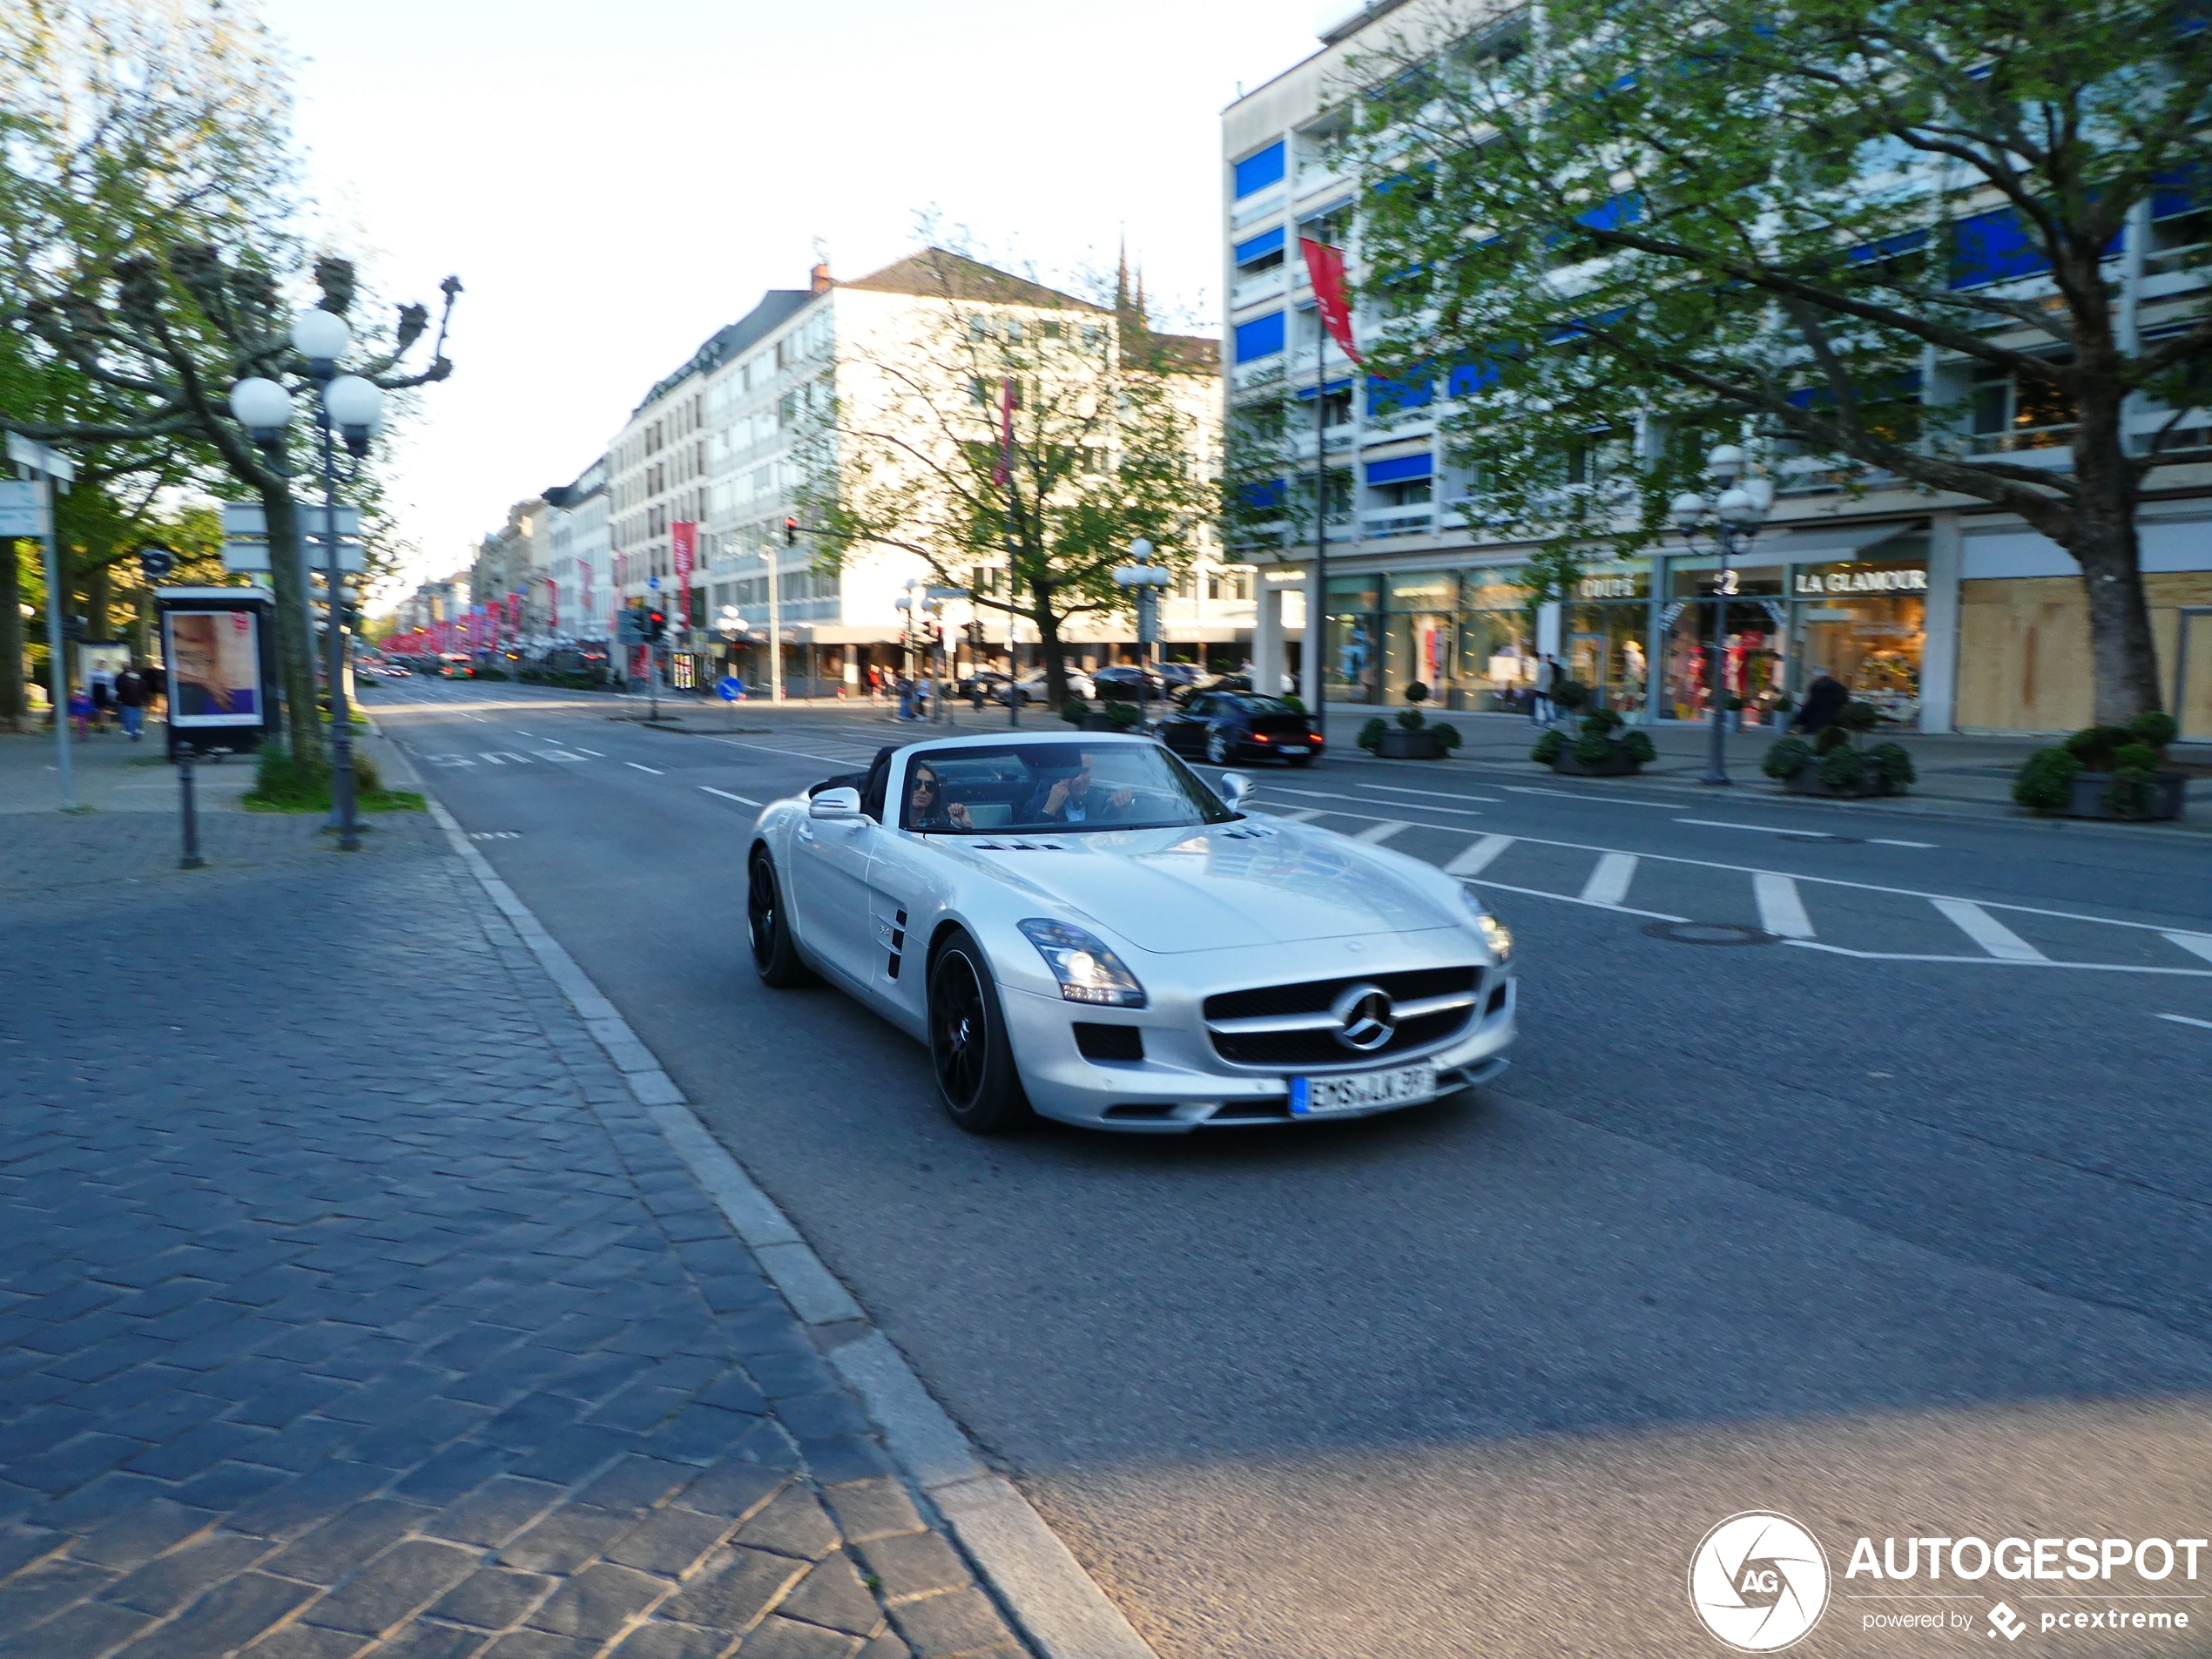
(28, 452)
(729, 688)
(19, 508)
(653, 582)
(155, 560)
(246, 536)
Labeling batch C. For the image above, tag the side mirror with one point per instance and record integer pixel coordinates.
(844, 803)
(1236, 785)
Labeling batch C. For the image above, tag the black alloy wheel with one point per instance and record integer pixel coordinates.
(968, 1048)
(1216, 747)
(774, 955)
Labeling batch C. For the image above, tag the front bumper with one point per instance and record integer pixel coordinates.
(1182, 1084)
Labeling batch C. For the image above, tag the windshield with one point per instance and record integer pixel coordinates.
(1054, 786)
(1262, 704)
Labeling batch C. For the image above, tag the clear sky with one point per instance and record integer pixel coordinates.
(614, 182)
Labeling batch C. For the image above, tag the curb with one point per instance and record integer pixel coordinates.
(1053, 1601)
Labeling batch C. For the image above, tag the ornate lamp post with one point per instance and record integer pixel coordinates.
(1733, 516)
(1147, 579)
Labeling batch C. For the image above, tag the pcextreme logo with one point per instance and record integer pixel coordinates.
(1758, 1581)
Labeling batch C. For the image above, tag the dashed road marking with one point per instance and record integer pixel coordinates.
(1297, 815)
(1478, 855)
(1608, 883)
(1381, 832)
(742, 800)
(1986, 931)
(1883, 840)
(594, 753)
(1763, 829)
(1781, 910)
(2184, 1019)
(1439, 794)
(656, 770)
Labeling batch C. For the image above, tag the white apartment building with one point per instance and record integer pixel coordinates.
(578, 573)
(1945, 613)
(717, 444)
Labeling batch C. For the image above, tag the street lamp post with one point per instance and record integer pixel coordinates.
(1147, 579)
(350, 407)
(1733, 516)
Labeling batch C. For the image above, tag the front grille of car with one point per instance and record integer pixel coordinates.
(1316, 1046)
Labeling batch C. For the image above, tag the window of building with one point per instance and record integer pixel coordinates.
(1256, 172)
(1263, 252)
(1262, 337)
(2019, 412)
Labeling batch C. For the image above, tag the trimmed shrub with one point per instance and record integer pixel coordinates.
(1411, 719)
(2133, 790)
(1296, 704)
(2154, 727)
(2093, 746)
(1417, 692)
(1830, 739)
(1446, 736)
(1570, 695)
(1547, 747)
(1843, 768)
(1593, 749)
(1073, 712)
(2044, 781)
(1858, 716)
(1638, 745)
(2134, 756)
(1601, 722)
(1125, 716)
(1890, 762)
(1371, 735)
(1786, 758)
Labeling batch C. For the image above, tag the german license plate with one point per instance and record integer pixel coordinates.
(1362, 1090)
(1293, 749)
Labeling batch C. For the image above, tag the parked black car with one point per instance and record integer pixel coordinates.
(1226, 727)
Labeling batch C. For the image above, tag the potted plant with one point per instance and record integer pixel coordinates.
(1604, 747)
(1084, 718)
(2113, 772)
(1411, 737)
(1834, 765)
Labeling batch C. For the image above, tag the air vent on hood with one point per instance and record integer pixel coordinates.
(1017, 846)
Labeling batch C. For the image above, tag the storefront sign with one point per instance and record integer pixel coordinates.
(1615, 584)
(1817, 580)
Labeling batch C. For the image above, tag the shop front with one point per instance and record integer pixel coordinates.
(1465, 635)
(1351, 625)
(1866, 622)
(1602, 633)
(1497, 643)
(1420, 615)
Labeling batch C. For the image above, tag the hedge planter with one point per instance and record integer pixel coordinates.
(1101, 723)
(1613, 766)
(1399, 742)
(1808, 782)
(2091, 787)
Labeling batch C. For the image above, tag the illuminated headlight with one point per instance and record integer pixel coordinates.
(1087, 970)
(1495, 934)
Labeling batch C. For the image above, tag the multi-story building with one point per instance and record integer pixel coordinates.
(718, 444)
(502, 575)
(1945, 612)
(433, 603)
(577, 574)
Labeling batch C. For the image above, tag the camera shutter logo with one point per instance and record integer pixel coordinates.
(1758, 1581)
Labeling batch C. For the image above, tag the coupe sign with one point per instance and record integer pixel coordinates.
(1758, 1581)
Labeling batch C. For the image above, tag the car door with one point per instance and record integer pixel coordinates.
(901, 899)
(1186, 730)
(829, 892)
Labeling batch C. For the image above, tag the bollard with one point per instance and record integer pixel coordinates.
(192, 860)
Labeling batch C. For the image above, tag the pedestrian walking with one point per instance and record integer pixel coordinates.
(80, 710)
(130, 699)
(1540, 711)
(1825, 700)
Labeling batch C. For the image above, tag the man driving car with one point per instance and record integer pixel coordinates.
(1072, 799)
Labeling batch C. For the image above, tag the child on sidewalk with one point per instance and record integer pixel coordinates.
(80, 711)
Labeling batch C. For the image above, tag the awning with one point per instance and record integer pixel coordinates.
(1817, 543)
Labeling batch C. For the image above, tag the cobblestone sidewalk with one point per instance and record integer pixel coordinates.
(350, 1303)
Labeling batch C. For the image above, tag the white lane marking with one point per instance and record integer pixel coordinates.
(594, 753)
(1763, 829)
(1576, 794)
(1439, 794)
(2195, 944)
(1781, 910)
(742, 800)
(1297, 815)
(1608, 883)
(1381, 832)
(532, 736)
(656, 770)
(1362, 800)
(498, 757)
(557, 754)
(2184, 1019)
(1883, 840)
(1478, 855)
(1986, 931)
(1569, 898)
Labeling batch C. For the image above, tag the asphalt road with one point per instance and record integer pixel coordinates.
(1899, 1228)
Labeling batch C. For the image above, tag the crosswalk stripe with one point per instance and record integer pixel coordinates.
(2195, 944)
(742, 800)
(1608, 883)
(1381, 832)
(654, 770)
(1298, 815)
(1781, 910)
(1986, 931)
(1478, 855)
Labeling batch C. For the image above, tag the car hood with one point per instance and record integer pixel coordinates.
(1213, 887)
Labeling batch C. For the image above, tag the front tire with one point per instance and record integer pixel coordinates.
(969, 1049)
(1217, 748)
(768, 926)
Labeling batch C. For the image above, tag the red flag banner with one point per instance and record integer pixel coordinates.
(515, 610)
(1324, 266)
(683, 550)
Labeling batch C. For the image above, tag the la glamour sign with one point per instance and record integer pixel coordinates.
(1816, 583)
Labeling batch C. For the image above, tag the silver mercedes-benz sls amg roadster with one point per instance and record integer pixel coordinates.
(1077, 925)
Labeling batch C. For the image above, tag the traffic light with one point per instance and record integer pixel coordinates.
(656, 625)
(791, 532)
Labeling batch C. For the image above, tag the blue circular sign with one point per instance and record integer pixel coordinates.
(730, 687)
(653, 582)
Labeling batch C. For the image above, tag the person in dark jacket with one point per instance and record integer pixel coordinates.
(1825, 700)
(131, 697)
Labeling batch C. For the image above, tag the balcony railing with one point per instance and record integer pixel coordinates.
(1379, 527)
(1251, 289)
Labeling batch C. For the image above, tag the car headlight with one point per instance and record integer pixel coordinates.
(1495, 934)
(1087, 970)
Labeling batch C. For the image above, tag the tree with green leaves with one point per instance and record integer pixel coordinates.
(1891, 245)
(1016, 440)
